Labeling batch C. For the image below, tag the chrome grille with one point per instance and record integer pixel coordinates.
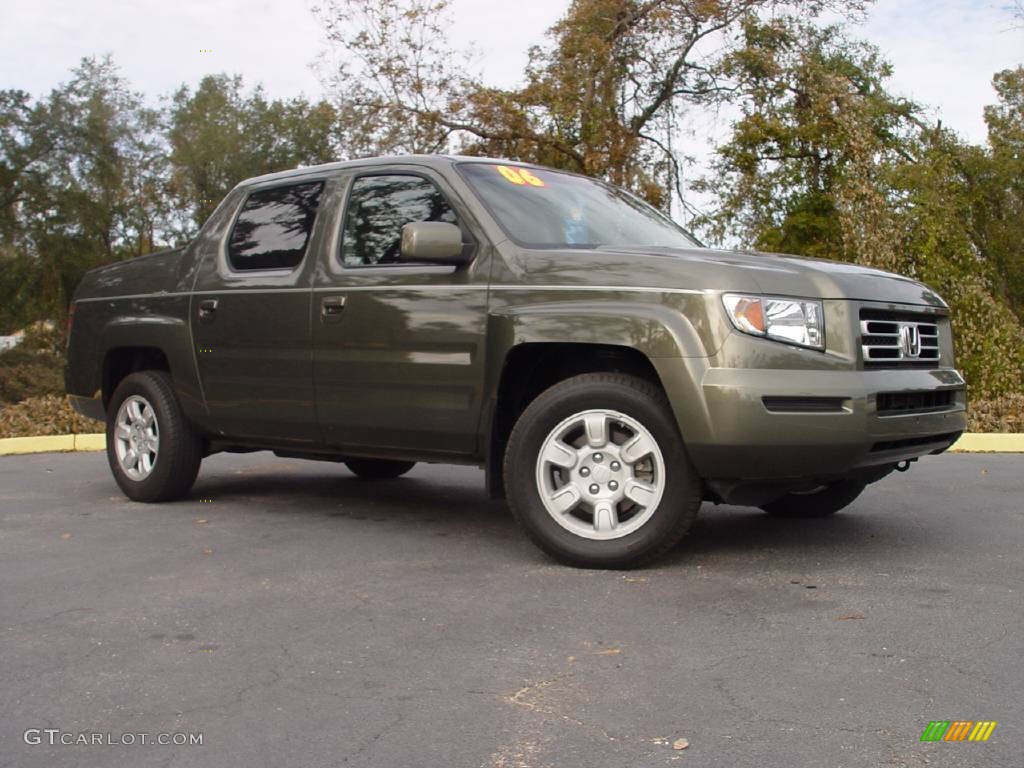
(898, 339)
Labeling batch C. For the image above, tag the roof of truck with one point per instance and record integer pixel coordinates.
(432, 161)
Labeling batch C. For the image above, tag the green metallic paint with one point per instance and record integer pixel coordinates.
(252, 353)
(402, 371)
(413, 363)
(654, 329)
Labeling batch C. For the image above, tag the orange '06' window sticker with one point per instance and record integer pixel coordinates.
(520, 176)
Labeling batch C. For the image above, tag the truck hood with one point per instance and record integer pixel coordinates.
(740, 271)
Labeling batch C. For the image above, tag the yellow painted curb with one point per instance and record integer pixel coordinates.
(11, 446)
(15, 445)
(91, 442)
(989, 443)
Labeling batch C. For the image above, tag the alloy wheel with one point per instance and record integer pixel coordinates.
(136, 437)
(600, 474)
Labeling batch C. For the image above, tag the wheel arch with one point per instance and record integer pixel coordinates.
(532, 348)
(120, 362)
(150, 342)
(109, 338)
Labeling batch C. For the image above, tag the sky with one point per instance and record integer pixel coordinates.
(944, 51)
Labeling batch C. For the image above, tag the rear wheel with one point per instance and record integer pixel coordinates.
(151, 448)
(597, 473)
(379, 469)
(819, 502)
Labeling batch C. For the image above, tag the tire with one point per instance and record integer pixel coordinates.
(603, 529)
(379, 469)
(818, 503)
(174, 464)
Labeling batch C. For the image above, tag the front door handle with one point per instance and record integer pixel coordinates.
(331, 308)
(207, 309)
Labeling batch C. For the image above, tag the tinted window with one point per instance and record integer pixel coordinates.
(378, 208)
(273, 228)
(541, 208)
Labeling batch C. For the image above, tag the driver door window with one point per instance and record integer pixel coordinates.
(378, 208)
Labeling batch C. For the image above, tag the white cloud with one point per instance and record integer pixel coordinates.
(158, 43)
(944, 53)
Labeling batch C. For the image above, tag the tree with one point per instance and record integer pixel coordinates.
(602, 98)
(82, 184)
(814, 115)
(823, 161)
(1000, 212)
(16, 155)
(399, 74)
(219, 135)
(86, 177)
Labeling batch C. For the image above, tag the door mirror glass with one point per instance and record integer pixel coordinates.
(432, 242)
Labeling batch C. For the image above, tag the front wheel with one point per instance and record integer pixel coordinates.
(151, 448)
(819, 502)
(597, 474)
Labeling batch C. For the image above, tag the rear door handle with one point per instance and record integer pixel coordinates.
(331, 308)
(207, 308)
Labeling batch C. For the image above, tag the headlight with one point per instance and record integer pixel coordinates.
(793, 321)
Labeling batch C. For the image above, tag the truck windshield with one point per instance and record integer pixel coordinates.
(539, 208)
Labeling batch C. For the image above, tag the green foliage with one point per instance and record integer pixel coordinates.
(81, 172)
(219, 135)
(824, 162)
(813, 104)
(999, 179)
(89, 174)
(18, 299)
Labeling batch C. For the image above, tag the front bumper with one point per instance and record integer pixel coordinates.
(732, 435)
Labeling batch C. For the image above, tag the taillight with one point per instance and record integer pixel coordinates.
(71, 319)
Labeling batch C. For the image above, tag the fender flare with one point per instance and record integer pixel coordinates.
(662, 334)
(172, 336)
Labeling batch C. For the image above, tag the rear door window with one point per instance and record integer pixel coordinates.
(273, 228)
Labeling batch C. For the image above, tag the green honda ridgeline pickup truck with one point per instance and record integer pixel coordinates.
(608, 371)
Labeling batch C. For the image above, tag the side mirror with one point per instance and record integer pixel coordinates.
(433, 242)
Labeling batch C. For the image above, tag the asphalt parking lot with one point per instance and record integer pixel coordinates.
(294, 615)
